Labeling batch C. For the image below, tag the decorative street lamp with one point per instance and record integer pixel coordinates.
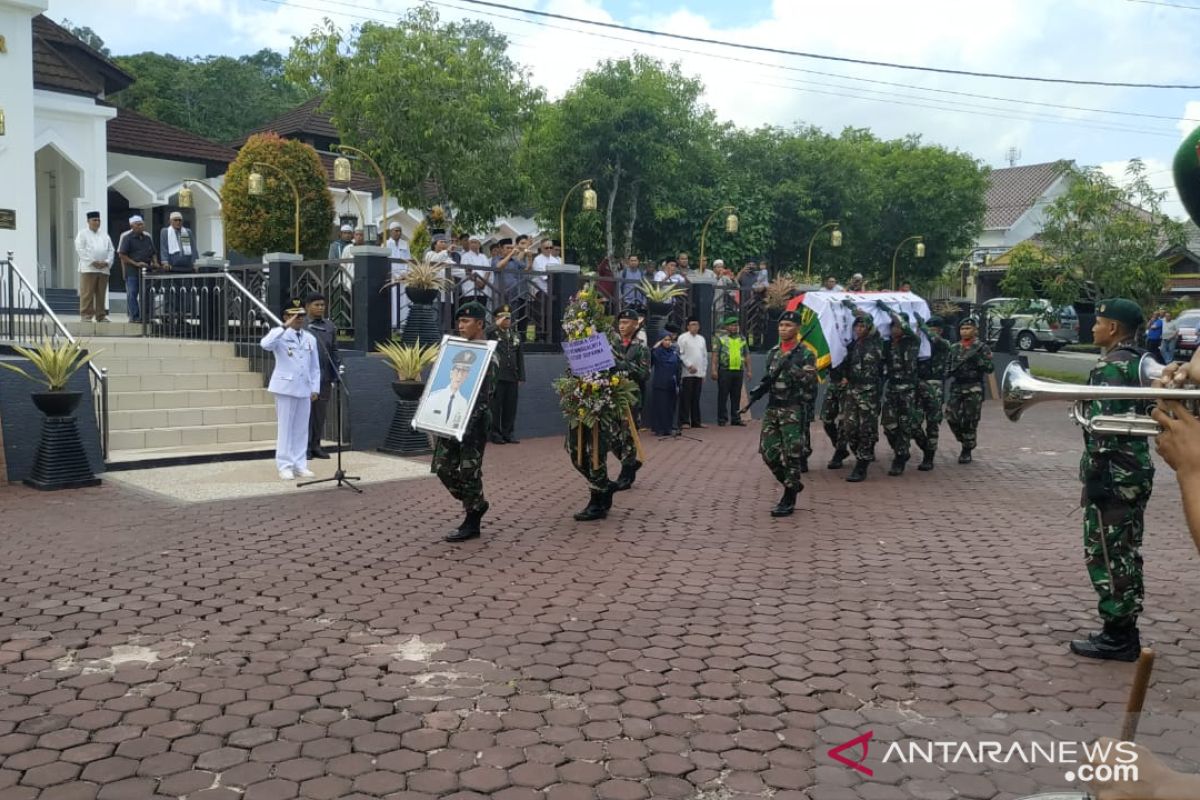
(919, 252)
(835, 240)
(342, 173)
(731, 226)
(257, 186)
(590, 202)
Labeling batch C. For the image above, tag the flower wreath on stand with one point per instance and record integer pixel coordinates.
(594, 399)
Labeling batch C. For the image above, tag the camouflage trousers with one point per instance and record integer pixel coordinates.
(596, 476)
(810, 413)
(620, 439)
(782, 442)
(1112, 542)
(902, 418)
(962, 412)
(859, 430)
(929, 405)
(831, 411)
(459, 466)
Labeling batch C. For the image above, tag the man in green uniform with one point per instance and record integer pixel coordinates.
(730, 369)
(459, 465)
(931, 389)
(1117, 477)
(790, 381)
(900, 422)
(831, 416)
(862, 379)
(633, 360)
(510, 374)
(970, 363)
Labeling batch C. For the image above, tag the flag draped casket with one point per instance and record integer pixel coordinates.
(827, 326)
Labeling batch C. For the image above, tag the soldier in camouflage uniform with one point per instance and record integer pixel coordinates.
(459, 465)
(632, 360)
(600, 487)
(970, 362)
(1117, 477)
(932, 375)
(831, 412)
(790, 381)
(900, 415)
(862, 377)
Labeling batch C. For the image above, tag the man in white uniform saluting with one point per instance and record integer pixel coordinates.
(296, 383)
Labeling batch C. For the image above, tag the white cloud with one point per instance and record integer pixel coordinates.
(1188, 122)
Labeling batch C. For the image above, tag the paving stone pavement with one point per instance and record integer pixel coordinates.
(329, 645)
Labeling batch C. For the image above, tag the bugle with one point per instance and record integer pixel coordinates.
(1019, 390)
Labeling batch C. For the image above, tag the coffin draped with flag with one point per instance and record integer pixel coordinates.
(826, 325)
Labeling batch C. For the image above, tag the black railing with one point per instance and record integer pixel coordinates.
(335, 280)
(27, 319)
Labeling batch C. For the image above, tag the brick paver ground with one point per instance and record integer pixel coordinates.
(690, 646)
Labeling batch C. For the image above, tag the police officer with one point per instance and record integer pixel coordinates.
(862, 379)
(899, 402)
(790, 381)
(970, 361)
(730, 368)
(1117, 477)
(325, 332)
(932, 375)
(632, 359)
(459, 465)
(510, 374)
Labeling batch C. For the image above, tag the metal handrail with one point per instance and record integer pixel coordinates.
(99, 373)
(241, 289)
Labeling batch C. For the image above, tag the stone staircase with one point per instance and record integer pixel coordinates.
(172, 399)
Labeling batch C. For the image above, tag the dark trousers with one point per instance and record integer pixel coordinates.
(689, 401)
(504, 409)
(729, 395)
(316, 417)
(663, 403)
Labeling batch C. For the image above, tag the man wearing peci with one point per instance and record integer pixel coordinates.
(94, 252)
(296, 383)
(325, 332)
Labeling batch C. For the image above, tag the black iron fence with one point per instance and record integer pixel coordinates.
(26, 319)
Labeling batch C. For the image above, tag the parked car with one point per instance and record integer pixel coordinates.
(1037, 324)
(1189, 334)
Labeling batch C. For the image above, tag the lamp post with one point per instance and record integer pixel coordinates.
(731, 226)
(919, 252)
(257, 186)
(187, 198)
(969, 261)
(341, 172)
(589, 204)
(835, 240)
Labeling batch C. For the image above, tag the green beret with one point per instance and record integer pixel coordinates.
(790, 316)
(934, 322)
(1126, 312)
(864, 319)
(472, 310)
(730, 320)
(969, 321)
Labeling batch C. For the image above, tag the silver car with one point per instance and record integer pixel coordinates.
(1037, 323)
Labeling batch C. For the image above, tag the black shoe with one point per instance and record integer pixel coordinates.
(721, 423)
(595, 508)
(606, 497)
(927, 462)
(697, 425)
(897, 467)
(804, 463)
(965, 456)
(1114, 643)
(627, 477)
(786, 505)
(860, 471)
(511, 440)
(318, 453)
(738, 423)
(838, 460)
(496, 438)
(470, 527)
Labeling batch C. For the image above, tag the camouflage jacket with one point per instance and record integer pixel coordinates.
(863, 364)
(900, 356)
(509, 355)
(480, 423)
(935, 367)
(632, 360)
(1119, 460)
(969, 365)
(720, 346)
(786, 381)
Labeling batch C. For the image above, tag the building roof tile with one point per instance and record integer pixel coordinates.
(133, 133)
(1013, 190)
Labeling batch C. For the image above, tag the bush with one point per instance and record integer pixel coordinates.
(1082, 348)
(1057, 375)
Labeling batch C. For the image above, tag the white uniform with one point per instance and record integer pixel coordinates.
(446, 406)
(295, 379)
(400, 257)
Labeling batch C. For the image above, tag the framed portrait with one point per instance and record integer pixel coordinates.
(453, 386)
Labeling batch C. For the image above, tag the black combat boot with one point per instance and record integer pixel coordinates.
(860, 471)
(595, 508)
(804, 463)
(470, 527)
(628, 475)
(786, 505)
(927, 462)
(965, 456)
(839, 457)
(1117, 642)
(897, 467)
(606, 497)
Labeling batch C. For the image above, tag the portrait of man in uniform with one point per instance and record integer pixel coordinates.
(453, 386)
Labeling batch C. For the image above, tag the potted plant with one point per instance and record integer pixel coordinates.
(409, 362)
(659, 301)
(422, 283)
(60, 461)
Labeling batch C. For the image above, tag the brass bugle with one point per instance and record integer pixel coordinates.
(1019, 390)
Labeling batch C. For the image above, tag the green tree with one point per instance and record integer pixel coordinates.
(439, 106)
(1100, 239)
(265, 223)
(87, 36)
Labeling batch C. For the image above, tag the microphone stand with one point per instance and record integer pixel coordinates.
(339, 474)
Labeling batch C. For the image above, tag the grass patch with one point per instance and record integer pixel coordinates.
(1058, 375)
(1082, 348)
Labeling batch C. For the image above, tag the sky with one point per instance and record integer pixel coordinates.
(1132, 41)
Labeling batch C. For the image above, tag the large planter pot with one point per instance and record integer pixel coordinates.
(60, 461)
(425, 296)
(422, 325)
(401, 439)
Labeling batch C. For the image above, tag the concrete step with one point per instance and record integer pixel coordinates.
(172, 382)
(163, 418)
(96, 330)
(143, 438)
(198, 398)
(177, 365)
(138, 347)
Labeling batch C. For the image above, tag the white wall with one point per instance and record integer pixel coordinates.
(17, 190)
(159, 174)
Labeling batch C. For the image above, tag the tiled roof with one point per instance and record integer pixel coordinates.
(1013, 190)
(304, 118)
(53, 72)
(63, 62)
(130, 132)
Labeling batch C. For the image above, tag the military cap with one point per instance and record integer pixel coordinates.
(503, 312)
(864, 319)
(790, 316)
(1121, 310)
(313, 297)
(968, 321)
(935, 322)
(471, 310)
(730, 320)
(293, 308)
(93, 215)
(463, 359)
(628, 313)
